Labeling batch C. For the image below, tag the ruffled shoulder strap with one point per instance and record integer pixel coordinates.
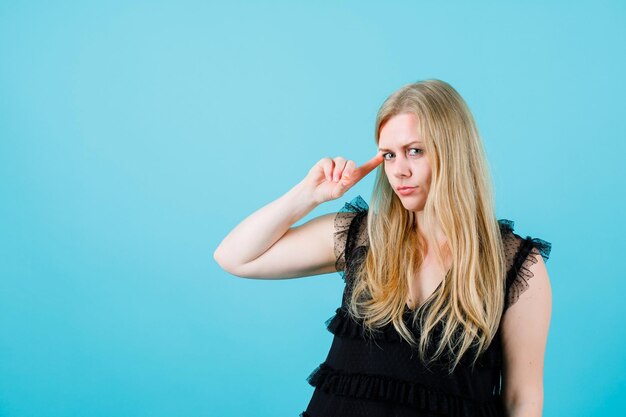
(521, 254)
(350, 231)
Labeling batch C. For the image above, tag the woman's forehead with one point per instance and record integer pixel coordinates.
(400, 131)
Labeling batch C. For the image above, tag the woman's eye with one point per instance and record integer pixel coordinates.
(420, 151)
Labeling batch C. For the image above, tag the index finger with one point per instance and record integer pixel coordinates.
(367, 167)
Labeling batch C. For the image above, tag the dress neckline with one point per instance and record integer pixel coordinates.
(408, 309)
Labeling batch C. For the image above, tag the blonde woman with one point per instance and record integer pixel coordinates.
(445, 310)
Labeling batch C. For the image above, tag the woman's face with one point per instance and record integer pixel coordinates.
(405, 162)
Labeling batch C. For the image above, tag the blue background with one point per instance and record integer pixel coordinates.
(135, 135)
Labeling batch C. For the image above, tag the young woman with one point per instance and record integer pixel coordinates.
(440, 316)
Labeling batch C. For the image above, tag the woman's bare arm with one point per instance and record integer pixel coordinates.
(299, 251)
(264, 245)
(524, 336)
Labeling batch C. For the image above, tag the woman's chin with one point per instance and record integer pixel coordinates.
(411, 203)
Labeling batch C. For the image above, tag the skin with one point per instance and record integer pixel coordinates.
(405, 161)
(407, 164)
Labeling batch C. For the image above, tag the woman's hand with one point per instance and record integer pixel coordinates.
(329, 179)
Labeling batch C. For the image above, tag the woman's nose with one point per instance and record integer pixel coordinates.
(401, 168)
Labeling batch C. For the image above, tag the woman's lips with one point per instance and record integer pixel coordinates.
(406, 190)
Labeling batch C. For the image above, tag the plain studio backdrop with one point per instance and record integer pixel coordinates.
(135, 135)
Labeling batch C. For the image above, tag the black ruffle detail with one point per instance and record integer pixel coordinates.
(506, 225)
(342, 324)
(356, 205)
(528, 251)
(413, 394)
(543, 247)
(347, 237)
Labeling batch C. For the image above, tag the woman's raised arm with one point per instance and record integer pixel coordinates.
(264, 245)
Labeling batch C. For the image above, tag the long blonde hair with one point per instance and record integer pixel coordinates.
(467, 306)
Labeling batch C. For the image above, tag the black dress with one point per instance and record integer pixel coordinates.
(383, 376)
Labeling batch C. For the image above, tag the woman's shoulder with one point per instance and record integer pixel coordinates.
(351, 215)
(514, 242)
(350, 229)
(520, 253)
(352, 219)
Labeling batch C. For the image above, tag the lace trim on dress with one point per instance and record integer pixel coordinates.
(344, 325)
(521, 254)
(346, 236)
(397, 391)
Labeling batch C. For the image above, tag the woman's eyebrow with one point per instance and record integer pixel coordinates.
(404, 146)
